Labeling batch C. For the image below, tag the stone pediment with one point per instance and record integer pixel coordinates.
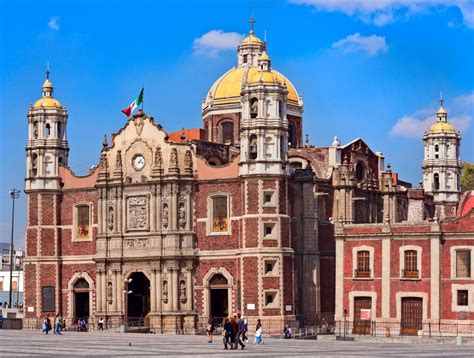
(141, 150)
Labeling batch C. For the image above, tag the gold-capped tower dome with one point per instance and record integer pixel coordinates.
(47, 99)
(442, 125)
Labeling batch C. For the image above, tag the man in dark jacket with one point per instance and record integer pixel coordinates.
(228, 334)
(241, 329)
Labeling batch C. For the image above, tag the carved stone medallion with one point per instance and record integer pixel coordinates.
(137, 213)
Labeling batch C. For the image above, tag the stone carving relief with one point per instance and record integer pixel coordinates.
(137, 213)
(118, 161)
(136, 243)
(110, 218)
(139, 123)
(188, 160)
(165, 214)
(182, 292)
(109, 292)
(158, 157)
(103, 161)
(165, 291)
(174, 158)
(181, 215)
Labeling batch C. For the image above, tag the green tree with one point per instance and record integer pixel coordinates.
(467, 176)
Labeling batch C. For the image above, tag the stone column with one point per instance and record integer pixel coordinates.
(189, 288)
(159, 286)
(119, 215)
(174, 289)
(153, 291)
(339, 279)
(386, 256)
(173, 218)
(103, 289)
(98, 291)
(116, 292)
(159, 206)
(120, 287)
(153, 211)
(435, 278)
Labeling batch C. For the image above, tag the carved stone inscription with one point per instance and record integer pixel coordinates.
(47, 295)
(137, 213)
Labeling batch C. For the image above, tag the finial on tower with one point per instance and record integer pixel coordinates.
(47, 70)
(252, 22)
(441, 100)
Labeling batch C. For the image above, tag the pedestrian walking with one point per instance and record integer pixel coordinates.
(46, 325)
(210, 329)
(240, 332)
(83, 325)
(101, 323)
(57, 324)
(228, 334)
(246, 329)
(258, 333)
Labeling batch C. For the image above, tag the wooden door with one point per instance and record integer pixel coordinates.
(412, 316)
(361, 326)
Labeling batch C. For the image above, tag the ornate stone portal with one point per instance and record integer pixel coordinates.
(144, 226)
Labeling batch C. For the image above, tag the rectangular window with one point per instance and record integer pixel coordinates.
(269, 298)
(267, 197)
(363, 264)
(219, 214)
(463, 298)
(83, 222)
(269, 266)
(15, 284)
(411, 264)
(463, 263)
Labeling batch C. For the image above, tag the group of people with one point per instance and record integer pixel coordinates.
(234, 332)
(57, 325)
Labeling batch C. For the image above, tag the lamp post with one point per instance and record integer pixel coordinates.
(126, 292)
(14, 194)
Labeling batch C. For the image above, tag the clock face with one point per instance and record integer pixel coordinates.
(138, 162)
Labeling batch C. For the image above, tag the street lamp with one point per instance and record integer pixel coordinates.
(14, 194)
(126, 292)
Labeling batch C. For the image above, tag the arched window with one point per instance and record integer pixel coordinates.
(34, 164)
(208, 133)
(359, 171)
(218, 280)
(60, 135)
(436, 181)
(291, 135)
(227, 132)
(81, 284)
(35, 130)
(282, 148)
(245, 58)
(280, 109)
(253, 150)
(47, 130)
(48, 165)
(220, 215)
(253, 108)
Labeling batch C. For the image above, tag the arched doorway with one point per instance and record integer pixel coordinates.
(81, 294)
(139, 298)
(219, 296)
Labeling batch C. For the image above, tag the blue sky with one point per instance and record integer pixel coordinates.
(366, 68)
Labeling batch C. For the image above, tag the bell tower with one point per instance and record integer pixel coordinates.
(441, 162)
(47, 146)
(264, 126)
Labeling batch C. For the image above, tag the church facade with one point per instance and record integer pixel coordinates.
(238, 216)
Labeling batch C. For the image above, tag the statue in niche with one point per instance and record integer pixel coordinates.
(174, 158)
(103, 161)
(188, 160)
(158, 157)
(111, 218)
(181, 215)
(118, 161)
(109, 292)
(165, 215)
(165, 291)
(182, 291)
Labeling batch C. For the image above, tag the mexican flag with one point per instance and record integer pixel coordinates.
(129, 110)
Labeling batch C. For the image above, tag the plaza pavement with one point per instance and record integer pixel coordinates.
(106, 344)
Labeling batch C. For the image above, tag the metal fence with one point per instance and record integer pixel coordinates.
(399, 329)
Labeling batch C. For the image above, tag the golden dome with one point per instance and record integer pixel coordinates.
(264, 76)
(251, 39)
(47, 84)
(441, 110)
(264, 56)
(47, 102)
(442, 127)
(227, 88)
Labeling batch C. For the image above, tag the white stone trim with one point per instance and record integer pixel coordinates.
(210, 212)
(373, 305)
(386, 266)
(470, 298)
(400, 295)
(70, 295)
(418, 250)
(371, 251)
(339, 309)
(453, 250)
(276, 268)
(276, 299)
(206, 292)
(74, 238)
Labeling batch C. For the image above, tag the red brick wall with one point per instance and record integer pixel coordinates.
(31, 242)
(33, 209)
(47, 207)
(47, 278)
(250, 282)
(30, 289)
(251, 232)
(252, 196)
(287, 270)
(327, 266)
(47, 242)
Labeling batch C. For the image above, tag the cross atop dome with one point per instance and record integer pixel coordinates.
(252, 22)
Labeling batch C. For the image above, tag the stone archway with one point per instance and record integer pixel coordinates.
(138, 300)
(218, 284)
(81, 294)
(80, 297)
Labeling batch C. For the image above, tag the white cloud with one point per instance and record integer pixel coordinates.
(413, 126)
(215, 41)
(382, 12)
(372, 45)
(53, 23)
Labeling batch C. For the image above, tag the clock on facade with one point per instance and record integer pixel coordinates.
(138, 162)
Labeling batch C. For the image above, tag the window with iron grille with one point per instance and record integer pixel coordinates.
(463, 298)
(411, 265)
(219, 214)
(463, 263)
(363, 264)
